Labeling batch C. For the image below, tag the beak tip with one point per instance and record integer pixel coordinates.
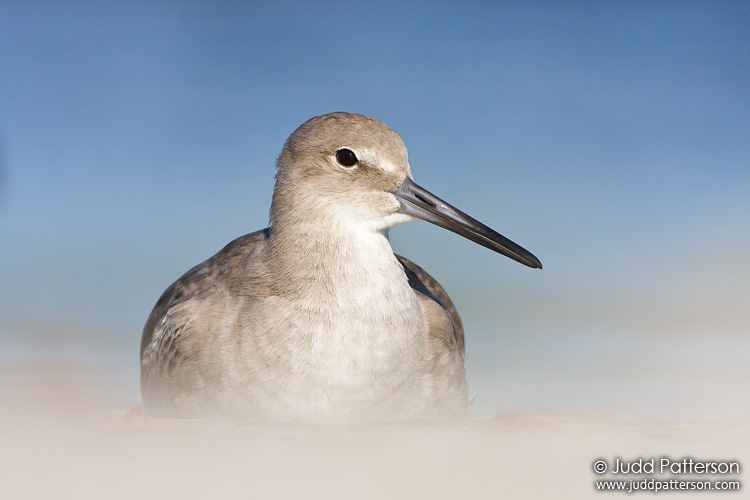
(533, 262)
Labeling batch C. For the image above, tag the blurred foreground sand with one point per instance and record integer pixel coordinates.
(59, 442)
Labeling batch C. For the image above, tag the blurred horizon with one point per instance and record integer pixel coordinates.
(611, 139)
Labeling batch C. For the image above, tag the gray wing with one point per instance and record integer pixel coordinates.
(428, 287)
(169, 371)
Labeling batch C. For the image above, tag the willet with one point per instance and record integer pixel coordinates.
(314, 319)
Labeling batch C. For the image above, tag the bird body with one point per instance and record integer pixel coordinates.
(314, 319)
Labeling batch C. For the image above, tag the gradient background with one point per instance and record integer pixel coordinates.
(612, 139)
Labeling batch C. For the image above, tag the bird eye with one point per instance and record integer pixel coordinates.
(346, 157)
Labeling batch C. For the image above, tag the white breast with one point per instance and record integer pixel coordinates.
(355, 344)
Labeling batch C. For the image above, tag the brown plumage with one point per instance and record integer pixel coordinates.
(314, 319)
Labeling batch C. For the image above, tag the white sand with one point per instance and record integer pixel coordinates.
(59, 443)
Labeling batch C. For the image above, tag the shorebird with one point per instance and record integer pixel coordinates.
(315, 319)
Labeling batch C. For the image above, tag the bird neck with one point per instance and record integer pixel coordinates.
(336, 262)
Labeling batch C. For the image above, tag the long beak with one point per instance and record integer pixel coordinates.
(418, 202)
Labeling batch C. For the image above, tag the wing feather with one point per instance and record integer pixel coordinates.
(424, 284)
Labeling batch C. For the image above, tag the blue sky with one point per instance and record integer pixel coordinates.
(612, 139)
